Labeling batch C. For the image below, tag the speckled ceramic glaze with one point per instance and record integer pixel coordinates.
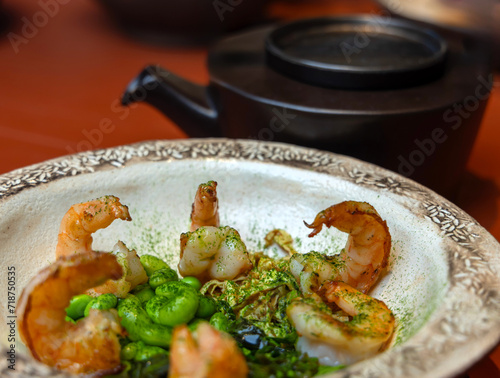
(443, 283)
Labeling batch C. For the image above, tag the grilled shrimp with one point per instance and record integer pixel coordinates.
(362, 260)
(213, 253)
(87, 347)
(334, 338)
(205, 211)
(212, 355)
(83, 219)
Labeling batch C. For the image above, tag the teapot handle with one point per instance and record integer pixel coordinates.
(187, 104)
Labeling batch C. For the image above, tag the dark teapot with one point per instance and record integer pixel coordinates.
(385, 91)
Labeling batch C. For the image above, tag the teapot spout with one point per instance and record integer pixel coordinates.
(187, 104)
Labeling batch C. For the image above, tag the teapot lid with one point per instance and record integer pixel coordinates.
(357, 52)
(240, 65)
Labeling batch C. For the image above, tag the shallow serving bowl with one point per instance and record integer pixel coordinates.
(443, 284)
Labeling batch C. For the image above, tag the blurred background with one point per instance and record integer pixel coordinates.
(65, 64)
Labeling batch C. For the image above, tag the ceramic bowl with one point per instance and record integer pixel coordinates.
(443, 281)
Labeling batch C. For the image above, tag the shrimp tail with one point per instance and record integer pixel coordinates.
(337, 215)
(205, 209)
(83, 219)
(317, 224)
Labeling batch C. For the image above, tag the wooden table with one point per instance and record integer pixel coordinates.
(65, 79)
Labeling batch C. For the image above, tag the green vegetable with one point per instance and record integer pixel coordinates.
(102, 302)
(145, 294)
(161, 276)
(145, 352)
(206, 308)
(193, 281)
(263, 296)
(152, 263)
(267, 357)
(273, 361)
(76, 308)
(323, 369)
(139, 288)
(154, 367)
(220, 322)
(225, 308)
(129, 351)
(71, 320)
(268, 312)
(140, 326)
(292, 295)
(174, 303)
(127, 367)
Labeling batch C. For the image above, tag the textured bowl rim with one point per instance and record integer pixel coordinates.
(443, 347)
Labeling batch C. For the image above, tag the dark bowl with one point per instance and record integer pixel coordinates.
(191, 21)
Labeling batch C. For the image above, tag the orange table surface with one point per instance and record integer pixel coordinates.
(66, 79)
